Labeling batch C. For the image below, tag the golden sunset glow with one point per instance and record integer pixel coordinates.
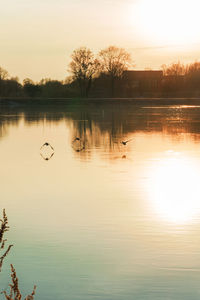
(100, 149)
(146, 28)
(174, 189)
(169, 22)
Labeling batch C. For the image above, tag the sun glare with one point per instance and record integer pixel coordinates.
(174, 190)
(168, 21)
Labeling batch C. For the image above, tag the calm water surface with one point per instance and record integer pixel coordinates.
(100, 220)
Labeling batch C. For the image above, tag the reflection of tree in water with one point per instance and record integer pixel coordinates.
(7, 119)
(111, 125)
(106, 124)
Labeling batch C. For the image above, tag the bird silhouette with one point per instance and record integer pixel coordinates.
(76, 139)
(47, 158)
(125, 142)
(79, 150)
(47, 144)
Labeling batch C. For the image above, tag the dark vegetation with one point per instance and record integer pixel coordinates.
(106, 75)
(14, 293)
(3, 229)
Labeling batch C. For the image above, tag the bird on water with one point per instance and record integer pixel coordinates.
(125, 142)
(76, 139)
(81, 149)
(47, 144)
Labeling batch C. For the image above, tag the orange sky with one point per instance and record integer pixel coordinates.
(37, 37)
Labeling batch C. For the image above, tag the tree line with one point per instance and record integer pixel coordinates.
(103, 75)
(110, 62)
(182, 78)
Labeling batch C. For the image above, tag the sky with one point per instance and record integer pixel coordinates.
(37, 37)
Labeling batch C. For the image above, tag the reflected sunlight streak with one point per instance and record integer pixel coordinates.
(174, 189)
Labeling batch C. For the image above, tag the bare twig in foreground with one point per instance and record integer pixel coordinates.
(15, 293)
(3, 229)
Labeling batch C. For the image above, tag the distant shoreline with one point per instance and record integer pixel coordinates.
(101, 98)
(137, 100)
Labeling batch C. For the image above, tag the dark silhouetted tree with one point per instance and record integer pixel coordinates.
(193, 75)
(53, 88)
(114, 61)
(31, 89)
(3, 76)
(12, 87)
(175, 69)
(83, 68)
(174, 79)
(193, 67)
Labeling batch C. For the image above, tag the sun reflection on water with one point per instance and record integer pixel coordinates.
(174, 189)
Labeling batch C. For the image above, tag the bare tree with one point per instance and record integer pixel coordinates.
(193, 67)
(3, 74)
(114, 61)
(175, 69)
(83, 67)
(193, 75)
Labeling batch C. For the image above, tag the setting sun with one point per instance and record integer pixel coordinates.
(169, 22)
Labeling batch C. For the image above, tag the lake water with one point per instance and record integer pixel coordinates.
(96, 219)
